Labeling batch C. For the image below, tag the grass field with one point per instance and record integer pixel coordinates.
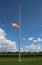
(24, 61)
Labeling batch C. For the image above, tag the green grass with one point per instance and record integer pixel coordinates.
(24, 61)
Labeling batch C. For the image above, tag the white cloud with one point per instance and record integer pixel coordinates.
(30, 38)
(5, 44)
(34, 41)
(10, 46)
(37, 40)
(33, 48)
(21, 49)
(2, 34)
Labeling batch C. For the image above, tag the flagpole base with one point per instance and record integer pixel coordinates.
(19, 60)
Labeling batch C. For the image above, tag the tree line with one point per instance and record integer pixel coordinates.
(23, 54)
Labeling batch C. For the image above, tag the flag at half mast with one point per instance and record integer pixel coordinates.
(15, 25)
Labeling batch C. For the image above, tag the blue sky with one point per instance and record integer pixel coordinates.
(31, 21)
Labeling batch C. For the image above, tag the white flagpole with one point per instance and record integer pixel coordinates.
(19, 30)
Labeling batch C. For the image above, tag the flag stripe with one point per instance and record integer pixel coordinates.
(15, 25)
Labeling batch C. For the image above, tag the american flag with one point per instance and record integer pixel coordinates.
(15, 25)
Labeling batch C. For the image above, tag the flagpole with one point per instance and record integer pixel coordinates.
(19, 40)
